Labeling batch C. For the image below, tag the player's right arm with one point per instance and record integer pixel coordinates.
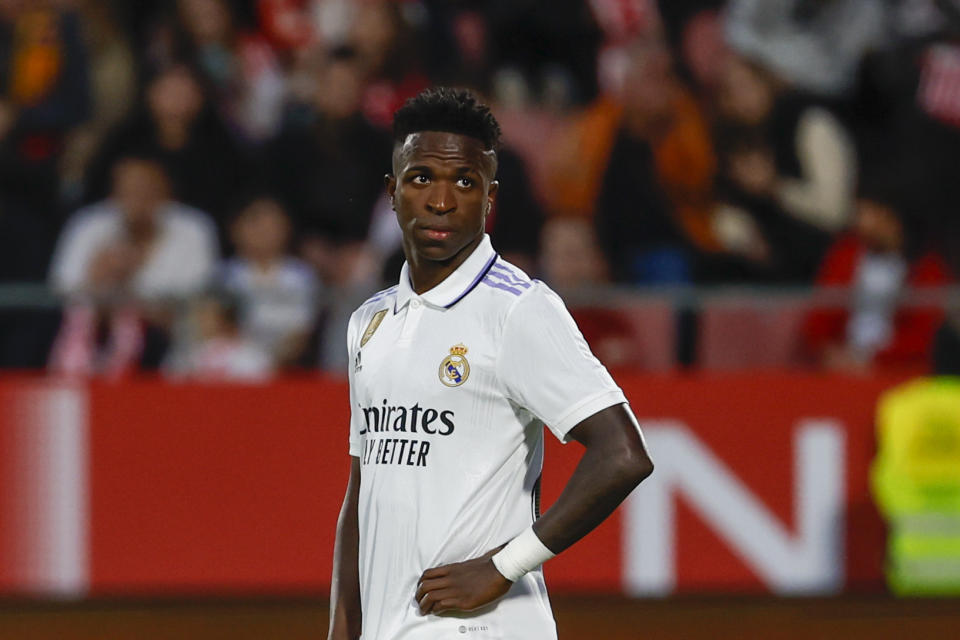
(345, 611)
(345, 614)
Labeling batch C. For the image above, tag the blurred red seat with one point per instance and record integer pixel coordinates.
(635, 334)
(738, 334)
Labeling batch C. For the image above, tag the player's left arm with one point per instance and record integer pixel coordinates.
(614, 462)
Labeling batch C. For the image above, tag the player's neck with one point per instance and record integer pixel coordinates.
(426, 274)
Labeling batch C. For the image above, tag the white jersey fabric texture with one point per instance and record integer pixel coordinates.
(450, 391)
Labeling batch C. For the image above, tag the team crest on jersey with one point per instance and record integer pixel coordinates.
(454, 370)
(372, 327)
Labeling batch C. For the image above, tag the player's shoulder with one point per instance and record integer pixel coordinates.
(506, 282)
(381, 299)
(513, 296)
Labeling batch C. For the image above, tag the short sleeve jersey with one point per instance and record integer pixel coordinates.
(450, 391)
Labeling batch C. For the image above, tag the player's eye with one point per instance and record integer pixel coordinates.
(464, 183)
(420, 179)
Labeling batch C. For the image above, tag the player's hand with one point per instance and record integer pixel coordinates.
(461, 586)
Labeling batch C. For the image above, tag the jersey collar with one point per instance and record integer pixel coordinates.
(455, 286)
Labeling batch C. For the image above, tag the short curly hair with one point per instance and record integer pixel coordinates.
(446, 109)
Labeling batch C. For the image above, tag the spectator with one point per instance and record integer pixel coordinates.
(46, 77)
(329, 172)
(623, 23)
(910, 109)
(577, 158)
(138, 241)
(878, 261)
(278, 293)
(551, 48)
(572, 264)
(286, 25)
(809, 166)
(111, 339)
(703, 49)
(44, 97)
(239, 65)
(176, 126)
(653, 213)
(113, 91)
(787, 165)
(44, 93)
(296, 27)
(517, 218)
(386, 50)
(455, 43)
(571, 260)
(816, 46)
(118, 262)
(690, 25)
(223, 352)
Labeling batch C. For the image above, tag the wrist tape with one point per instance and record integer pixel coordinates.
(522, 555)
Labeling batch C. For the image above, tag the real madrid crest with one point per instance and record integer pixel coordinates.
(454, 370)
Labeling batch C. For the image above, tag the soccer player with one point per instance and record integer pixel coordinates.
(453, 374)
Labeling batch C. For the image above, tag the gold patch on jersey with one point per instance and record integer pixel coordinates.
(372, 327)
(454, 370)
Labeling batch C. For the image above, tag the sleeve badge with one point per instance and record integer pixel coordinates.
(372, 327)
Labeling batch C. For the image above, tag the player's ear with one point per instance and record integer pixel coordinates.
(492, 194)
(390, 182)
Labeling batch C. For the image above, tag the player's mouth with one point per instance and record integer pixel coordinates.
(437, 234)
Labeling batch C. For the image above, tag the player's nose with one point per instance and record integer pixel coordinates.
(442, 198)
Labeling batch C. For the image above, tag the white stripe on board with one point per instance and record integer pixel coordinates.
(53, 490)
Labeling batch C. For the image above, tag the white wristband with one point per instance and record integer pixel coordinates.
(522, 555)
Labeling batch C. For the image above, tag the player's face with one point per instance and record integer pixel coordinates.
(442, 190)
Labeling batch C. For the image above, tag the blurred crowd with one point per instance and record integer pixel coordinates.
(202, 180)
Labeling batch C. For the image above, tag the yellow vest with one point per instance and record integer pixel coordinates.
(916, 482)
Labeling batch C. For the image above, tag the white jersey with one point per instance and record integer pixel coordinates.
(449, 392)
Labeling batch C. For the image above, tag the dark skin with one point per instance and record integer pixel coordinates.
(614, 462)
(345, 617)
(442, 190)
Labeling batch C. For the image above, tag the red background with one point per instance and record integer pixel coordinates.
(236, 489)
